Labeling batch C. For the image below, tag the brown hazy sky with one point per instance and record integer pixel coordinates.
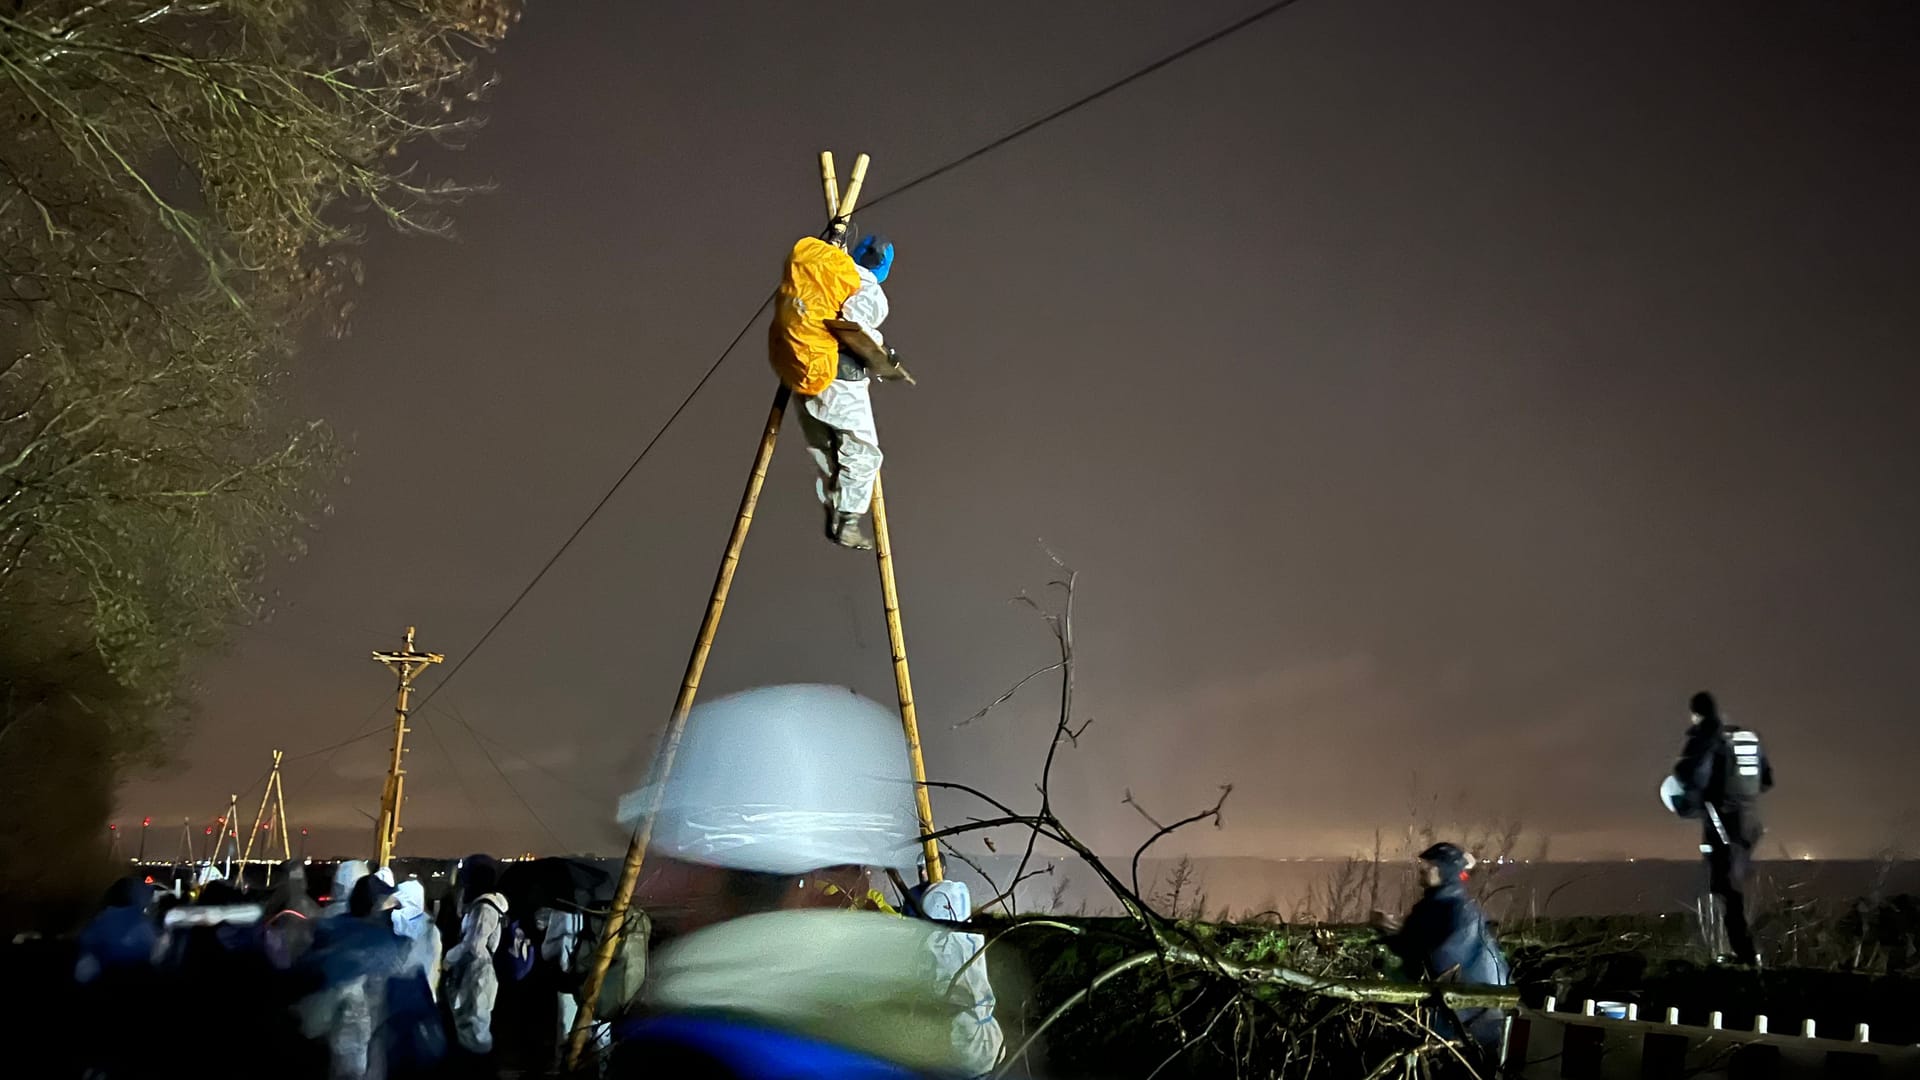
(1430, 396)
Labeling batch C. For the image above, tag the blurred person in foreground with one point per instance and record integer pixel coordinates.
(781, 803)
(352, 956)
(1445, 939)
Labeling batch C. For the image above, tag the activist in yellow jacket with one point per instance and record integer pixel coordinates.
(818, 280)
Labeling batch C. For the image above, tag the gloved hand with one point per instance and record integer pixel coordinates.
(893, 372)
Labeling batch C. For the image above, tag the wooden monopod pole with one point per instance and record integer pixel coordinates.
(670, 738)
(903, 679)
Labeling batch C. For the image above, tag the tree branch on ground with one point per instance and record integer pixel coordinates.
(1192, 968)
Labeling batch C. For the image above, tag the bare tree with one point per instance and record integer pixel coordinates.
(176, 197)
(1179, 895)
(1180, 956)
(1346, 894)
(181, 186)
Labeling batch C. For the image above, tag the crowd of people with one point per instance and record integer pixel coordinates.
(764, 948)
(365, 979)
(766, 945)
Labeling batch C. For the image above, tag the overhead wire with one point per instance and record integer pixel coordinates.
(454, 671)
(1024, 129)
(341, 745)
(505, 779)
(1087, 99)
(566, 784)
(466, 793)
(364, 731)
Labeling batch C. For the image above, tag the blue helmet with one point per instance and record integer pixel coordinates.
(875, 252)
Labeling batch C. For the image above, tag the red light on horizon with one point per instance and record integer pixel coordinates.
(146, 821)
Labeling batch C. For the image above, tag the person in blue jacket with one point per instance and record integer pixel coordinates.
(1445, 938)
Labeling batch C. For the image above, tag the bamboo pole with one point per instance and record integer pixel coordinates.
(280, 811)
(832, 185)
(840, 207)
(903, 678)
(229, 827)
(670, 738)
(852, 198)
(261, 815)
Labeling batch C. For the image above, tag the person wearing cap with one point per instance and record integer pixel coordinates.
(1720, 775)
(1445, 937)
(780, 805)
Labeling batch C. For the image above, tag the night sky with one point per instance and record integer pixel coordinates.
(1431, 397)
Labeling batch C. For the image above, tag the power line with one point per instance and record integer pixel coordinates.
(466, 792)
(941, 170)
(342, 744)
(1027, 128)
(531, 812)
(567, 785)
(364, 731)
(598, 506)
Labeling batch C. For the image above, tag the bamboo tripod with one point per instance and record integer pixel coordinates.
(183, 859)
(839, 210)
(277, 794)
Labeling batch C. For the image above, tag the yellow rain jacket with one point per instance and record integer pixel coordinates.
(818, 279)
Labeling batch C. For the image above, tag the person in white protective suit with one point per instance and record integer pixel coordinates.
(960, 962)
(345, 877)
(472, 982)
(838, 421)
(781, 803)
(411, 921)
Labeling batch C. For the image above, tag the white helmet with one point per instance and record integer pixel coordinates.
(787, 779)
(1673, 794)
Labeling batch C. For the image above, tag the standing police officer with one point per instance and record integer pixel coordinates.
(1719, 778)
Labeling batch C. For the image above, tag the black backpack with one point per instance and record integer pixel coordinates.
(1744, 763)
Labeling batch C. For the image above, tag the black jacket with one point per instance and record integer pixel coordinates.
(1705, 762)
(1446, 937)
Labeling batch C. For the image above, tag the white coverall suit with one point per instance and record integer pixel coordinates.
(838, 421)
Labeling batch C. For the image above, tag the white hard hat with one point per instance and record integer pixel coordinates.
(1672, 794)
(787, 779)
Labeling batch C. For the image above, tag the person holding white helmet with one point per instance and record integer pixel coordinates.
(781, 803)
(1721, 774)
